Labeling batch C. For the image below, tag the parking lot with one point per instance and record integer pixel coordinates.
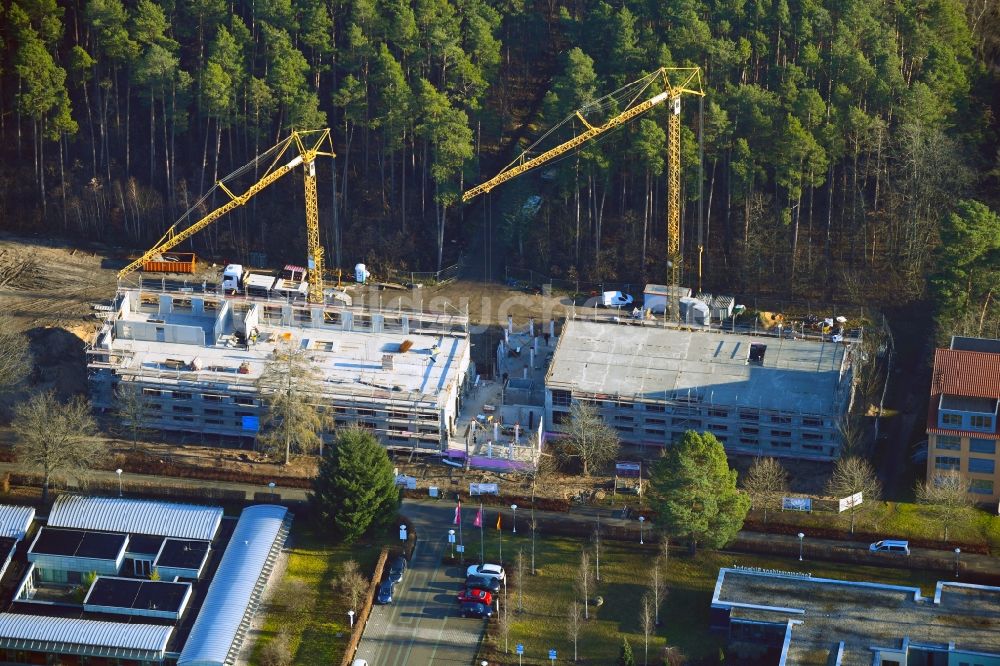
(422, 625)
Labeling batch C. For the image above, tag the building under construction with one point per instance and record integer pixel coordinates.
(759, 395)
(197, 359)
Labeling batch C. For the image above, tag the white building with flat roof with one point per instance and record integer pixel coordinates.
(758, 395)
(197, 359)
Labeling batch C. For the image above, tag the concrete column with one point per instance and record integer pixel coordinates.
(534, 348)
(506, 336)
(531, 326)
(525, 373)
(406, 324)
(378, 323)
(510, 324)
(552, 329)
(517, 433)
(489, 449)
(286, 315)
(197, 306)
(316, 317)
(531, 355)
(496, 430)
(347, 320)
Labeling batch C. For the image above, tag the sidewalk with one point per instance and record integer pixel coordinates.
(579, 515)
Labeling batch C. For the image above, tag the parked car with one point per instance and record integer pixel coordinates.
(359, 662)
(891, 546)
(385, 591)
(476, 609)
(483, 583)
(397, 569)
(476, 594)
(487, 570)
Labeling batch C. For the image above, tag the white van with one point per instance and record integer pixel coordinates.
(890, 546)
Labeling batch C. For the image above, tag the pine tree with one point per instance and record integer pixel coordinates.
(355, 488)
(626, 658)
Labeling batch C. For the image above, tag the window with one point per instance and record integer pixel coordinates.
(981, 487)
(650, 421)
(951, 419)
(624, 417)
(561, 398)
(626, 405)
(242, 414)
(211, 397)
(213, 421)
(152, 392)
(722, 439)
(749, 431)
(982, 465)
(654, 408)
(980, 445)
(781, 445)
(247, 401)
(980, 422)
(625, 428)
(718, 413)
(213, 412)
(812, 422)
(180, 395)
(719, 427)
(781, 433)
(184, 419)
(814, 436)
(946, 462)
(748, 441)
(686, 422)
(812, 447)
(182, 409)
(748, 415)
(781, 419)
(657, 432)
(948, 443)
(365, 412)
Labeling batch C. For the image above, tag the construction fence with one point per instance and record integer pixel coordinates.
(427, 278)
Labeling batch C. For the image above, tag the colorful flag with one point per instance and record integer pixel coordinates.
(458, 514)
(478, 522)
(498, 520)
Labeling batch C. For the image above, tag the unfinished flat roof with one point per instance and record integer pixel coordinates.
(349, 361)
(862, 615)
(658, 363)
(77, 543)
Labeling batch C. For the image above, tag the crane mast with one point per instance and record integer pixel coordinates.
(677, 81)
(318, 140)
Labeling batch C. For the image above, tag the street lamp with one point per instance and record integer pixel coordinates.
(513, 508)
(119, 473)
(801, 537)
(451, 540)
(642, 519)
(958, 553)
(350, 614)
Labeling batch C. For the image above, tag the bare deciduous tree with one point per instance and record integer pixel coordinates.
(766, 483)
(277, 651)
(851, 476)
(946, 497)
(589, 438)
(534, 528)
(519, 579)
(54, 437)
(583, 578)
(665, 550)
(646, 619)
(297, 596)
(288, 386)
(573, 623)
(15, 355)
(503, 626)
(133, 409)
(352, 584)
(658, 586)
(596, 538)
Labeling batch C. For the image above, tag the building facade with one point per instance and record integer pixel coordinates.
(962, 434)
(757, 395)
(197, 359)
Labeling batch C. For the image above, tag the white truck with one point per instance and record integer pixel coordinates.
(235, 279)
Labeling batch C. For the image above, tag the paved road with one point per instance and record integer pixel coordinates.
(421, 626)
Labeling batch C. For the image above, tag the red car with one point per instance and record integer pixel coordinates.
(474, 594)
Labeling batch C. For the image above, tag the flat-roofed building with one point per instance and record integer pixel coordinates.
(962, 433)
(197, 360)
(758, 395)
(771, 617)
(199, 596)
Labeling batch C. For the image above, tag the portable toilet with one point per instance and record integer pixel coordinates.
(654, 298)
(361, 274)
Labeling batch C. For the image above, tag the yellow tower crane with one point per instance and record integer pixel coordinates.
(309, 144)
(676, 82)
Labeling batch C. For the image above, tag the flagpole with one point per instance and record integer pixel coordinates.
(461, 550)
(500, 535)
(482, 539)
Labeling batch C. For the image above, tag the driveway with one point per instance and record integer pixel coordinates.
(422, 625)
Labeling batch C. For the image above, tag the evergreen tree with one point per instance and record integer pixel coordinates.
(355, 488)
(626, 658)
(693, 491)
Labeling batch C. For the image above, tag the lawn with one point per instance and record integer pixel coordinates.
(304, 604)
(625, 570)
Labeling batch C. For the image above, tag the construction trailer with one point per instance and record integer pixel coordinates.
(197, 359)
(758, 395)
